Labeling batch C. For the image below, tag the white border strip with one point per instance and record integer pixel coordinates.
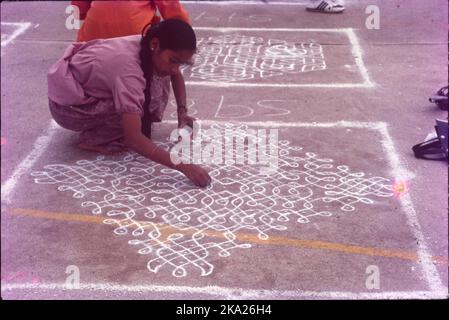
(233, 29)
(227, 293)
(425, 259)
(22, 26)
(356, 52)
(260, 2)
(38, 149)
(278, 85)
(271, 124)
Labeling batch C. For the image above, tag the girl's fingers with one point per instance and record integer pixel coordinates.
(190, 121)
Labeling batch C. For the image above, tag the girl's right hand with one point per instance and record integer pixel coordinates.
(196, 174)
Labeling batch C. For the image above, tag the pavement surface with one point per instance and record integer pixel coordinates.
(348, 214)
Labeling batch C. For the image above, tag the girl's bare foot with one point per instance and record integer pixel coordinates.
(100, 149)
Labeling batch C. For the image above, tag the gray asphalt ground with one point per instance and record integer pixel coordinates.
(248, 236)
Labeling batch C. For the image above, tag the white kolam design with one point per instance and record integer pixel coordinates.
(232, 58)
(183, 228)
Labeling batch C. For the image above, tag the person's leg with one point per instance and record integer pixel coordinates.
(100, 130)
(106, 137)
(98, 149)
(325, 6)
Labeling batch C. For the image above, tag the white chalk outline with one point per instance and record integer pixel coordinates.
(356, 52)
(21, 29)
(25, 165)
(431, 276)
(226, 3)
(228, 293)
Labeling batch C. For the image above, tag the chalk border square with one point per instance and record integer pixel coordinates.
(356, 52)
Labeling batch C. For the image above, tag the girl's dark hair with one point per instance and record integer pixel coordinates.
(174, 35)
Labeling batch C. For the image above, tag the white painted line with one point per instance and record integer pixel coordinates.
(199, 16)
(38, 149)
(230, 3)
(425, 261)
(279, 85)
(358, 55)
(22, 26)
(272, 124)
(356, 52)
(233, 29)
(229, 293)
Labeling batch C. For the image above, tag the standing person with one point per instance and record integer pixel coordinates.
(111, 90)
(325, 6)
(110, 19)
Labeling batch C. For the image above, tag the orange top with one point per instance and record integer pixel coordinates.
(110, 19)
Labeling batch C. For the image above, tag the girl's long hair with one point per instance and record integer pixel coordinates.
(173, 35)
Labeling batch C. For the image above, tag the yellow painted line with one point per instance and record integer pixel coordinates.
(56, 215)
(279, 241)
(62, 216)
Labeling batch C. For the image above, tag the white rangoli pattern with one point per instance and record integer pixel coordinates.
(181, 227)
(231, 58)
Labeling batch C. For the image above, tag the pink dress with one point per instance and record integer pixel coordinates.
(95, 82)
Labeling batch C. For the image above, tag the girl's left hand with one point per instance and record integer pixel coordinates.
(184, 119)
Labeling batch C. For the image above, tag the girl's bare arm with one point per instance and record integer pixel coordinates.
(138, 142)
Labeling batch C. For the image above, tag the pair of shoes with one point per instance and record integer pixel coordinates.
(325, 7)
